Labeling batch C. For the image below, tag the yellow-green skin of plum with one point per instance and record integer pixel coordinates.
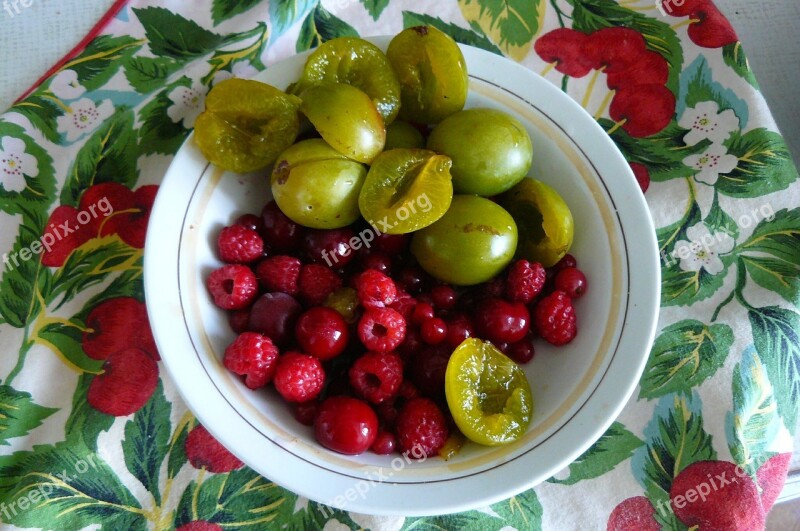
(470, 244)
(316, 186)
(491, 150)
(401, 134)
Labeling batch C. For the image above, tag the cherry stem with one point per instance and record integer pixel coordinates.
(687, 22)
(549, 68)
(617, 126)
(604, 105)
(559, 13)
(590, 89)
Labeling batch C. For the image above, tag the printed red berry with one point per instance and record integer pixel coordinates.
(275, 316)
(346, 425)
(421, 428)
(63, 243)
(771, 477)
(571, 281)
(330, 247)
(306, 412)
(643, 110)
(444, 297)
(322, 332)
(199, 525)
(710, 28)
(614, 49)
(117, 324)
(433, 331)
(554, 319)
(563, 46)
(642, 175)
(239, 245)
(375, 290)
(280, 232)
(253, 356)
(204, 451)
(459, 328)
(128, 380)
(635, 513)
(131, 226)
(239, 320)
(381, 329)
(525, 281)
(115, 197)
(652, 69)
(385, 443)
(232, 286)
(501, 321)
(376, 376)
(279, 273)
(299, 377)
(422, 312)
(316, 282)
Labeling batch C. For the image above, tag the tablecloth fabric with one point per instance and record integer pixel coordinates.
(722, 383)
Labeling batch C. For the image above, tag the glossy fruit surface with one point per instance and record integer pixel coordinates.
(316, 186)
(246, 125)
(545, 223)
(358, 63)
(406, 190)
(491, 150)
(346, 118)
(470, 244)
(401, 134)
(275, 315)
(346, 425)
(487, 393)
(432, 72)
(322, 332)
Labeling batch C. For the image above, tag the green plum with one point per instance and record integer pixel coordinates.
(401, 134)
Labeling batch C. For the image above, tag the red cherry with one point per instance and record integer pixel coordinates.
(103, 200)
(377, 261)
(117, 324)
(681, 8)
(280, 232)
(329, 247)
(204, 451)
(712, 29)
(250, 221)
(522, 351)
(128, 380)
(563, 47)
(391, 244)
(427, 369)
(459, 328)
(275, 316)
(444, 297)
(571, 281)
(322, 332)
(614, 49)
(567, 261)
(132, 226)
(501, 321)
(651, 69)
(433, 331)
(346, 425)
(239, 320)
(385, 443)
(306, 412)
(422, 312)
(63, 235)
(642, 175)
(771, 477)
(645, 109)
(634, 513)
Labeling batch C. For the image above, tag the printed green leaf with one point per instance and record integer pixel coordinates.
(591, 15)
(146, 74)
(177, 451)
(464, 36)
(65, 341)
(511, 25)
(241, 499)
(765, 165)
(169, 34)
(523, 511)
(674, 439)
(108, 156)
(101, 59)
(146, 441)
(40, 190)
(158, 133)
(320, 26)
(718, 220)
(42, 111)
(467, 521)
(734, 56)
(685, 355)
(85, 423)
(753, 424)
(284, 13)
(698, 85)
(224, 59)
(375, 7)
(66, 487)
(776, 334)
(775, 275)
(615, 446)
(222, 10)
(19, 414)
(127, 284)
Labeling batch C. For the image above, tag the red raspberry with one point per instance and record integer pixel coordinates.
(316, 282)
(375, 290)
(279, 273)
(239, 245)
(421, 428)
(299, 377)
(204, 451)
(253, 356)
(554, 318)
(232, 286)
(385, 443)
(404, 304)
(381, 329)
(571, 281)
(376, 376)
(525, 281)
(433, 331)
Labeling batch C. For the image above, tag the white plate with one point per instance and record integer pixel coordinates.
(579, 389)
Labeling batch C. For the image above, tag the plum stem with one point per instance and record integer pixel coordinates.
(549, 68)
(604, 105)
(617, 126)
(559, 13)
(590, 89)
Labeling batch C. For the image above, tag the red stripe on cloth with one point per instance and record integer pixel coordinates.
(96, 29)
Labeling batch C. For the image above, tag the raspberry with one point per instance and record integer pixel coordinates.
(571, 281)
(381, 329)
(316, 282)
(525, 281)
(433, 331)
(279, 273)
(375, 290)
(376, 376)
(299, 377)
(421, 428)
(232, 286)
(204, 451)
(404, 304)
(554, 318)
(253, 356)
(239, 245)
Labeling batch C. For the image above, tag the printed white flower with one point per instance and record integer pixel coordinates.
(713, 163)
(242, 70)
(83, 117)
(15, 164)
(335, 525)
(187, 104)
(384, 523)
(703, 249)
(66, 86)
(706, 122)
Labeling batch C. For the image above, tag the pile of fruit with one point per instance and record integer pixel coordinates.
(406, 266)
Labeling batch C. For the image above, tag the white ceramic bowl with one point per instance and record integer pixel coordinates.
(579, 389)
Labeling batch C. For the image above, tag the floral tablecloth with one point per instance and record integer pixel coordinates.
(92, 431)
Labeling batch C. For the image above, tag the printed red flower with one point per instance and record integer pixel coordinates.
(131, 224)
(102, 200)
(563, 47)
(614, 49)
(204, 451)
(127, 382)
(63, 235)
(117, 324)
(642, 175)
(651, 69)
(712, 29)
